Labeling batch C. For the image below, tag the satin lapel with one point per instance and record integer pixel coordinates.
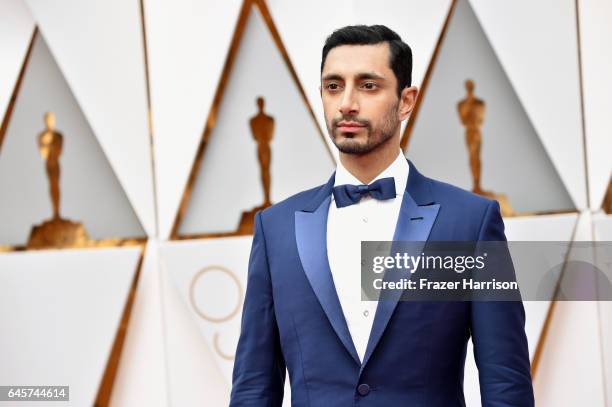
(311, 239)
(414, 224)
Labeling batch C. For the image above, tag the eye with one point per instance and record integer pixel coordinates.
(370, 85)
(332, 86)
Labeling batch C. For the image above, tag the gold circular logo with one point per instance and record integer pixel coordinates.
(195, 306)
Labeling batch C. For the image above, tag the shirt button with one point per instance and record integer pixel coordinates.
(365, 220)
(363, 389)
(366, 313)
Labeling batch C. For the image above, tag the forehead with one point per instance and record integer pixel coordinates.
(348, 60)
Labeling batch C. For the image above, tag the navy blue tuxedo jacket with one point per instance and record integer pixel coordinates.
(415, 356)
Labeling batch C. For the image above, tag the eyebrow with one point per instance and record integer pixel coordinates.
(361, 76)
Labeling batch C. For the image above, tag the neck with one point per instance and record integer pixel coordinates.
(366, 167)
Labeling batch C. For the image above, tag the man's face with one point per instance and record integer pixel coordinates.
(359, 93)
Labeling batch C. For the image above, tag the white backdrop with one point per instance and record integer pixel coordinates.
(131, 161)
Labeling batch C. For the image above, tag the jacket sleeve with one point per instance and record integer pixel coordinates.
(259, 368)
(498, 334)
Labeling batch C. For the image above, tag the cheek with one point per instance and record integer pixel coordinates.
(372, 110)
(329, 107)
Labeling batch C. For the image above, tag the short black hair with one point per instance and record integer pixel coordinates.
(401, 54)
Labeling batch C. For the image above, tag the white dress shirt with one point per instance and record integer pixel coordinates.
(369, 219)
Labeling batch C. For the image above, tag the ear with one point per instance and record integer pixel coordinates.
(408, 99)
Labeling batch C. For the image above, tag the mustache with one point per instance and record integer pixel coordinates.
(362, 122)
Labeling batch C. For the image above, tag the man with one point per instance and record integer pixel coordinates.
(303, 310)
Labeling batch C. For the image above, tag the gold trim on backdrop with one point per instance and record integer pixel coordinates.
(606, 205)
(90, 244)
(587, 185)
(112, 365)
(11, 105)
(201, 236)
(145, 48)
(544, 213)
(582, 121)
(245, 12)
(413, 116)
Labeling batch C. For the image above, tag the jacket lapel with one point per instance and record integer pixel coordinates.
(416, 218)
(417, 215)
(311, 239)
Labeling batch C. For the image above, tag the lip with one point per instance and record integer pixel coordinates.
(349, 124)
(349, 127)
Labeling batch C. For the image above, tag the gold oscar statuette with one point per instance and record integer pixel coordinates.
(472, 113)
(56, 232)
(262, 129)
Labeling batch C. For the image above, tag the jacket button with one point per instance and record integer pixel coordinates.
(363, 389)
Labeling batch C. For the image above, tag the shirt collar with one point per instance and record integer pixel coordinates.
(398, 169)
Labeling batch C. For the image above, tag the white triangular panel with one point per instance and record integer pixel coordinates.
(542, 65)
(98, 46)
(62, 309)
(90, 192)
(141, 376)
(513, 159)
(187, 41)
(596, 53)
(228, 182)
(418, 23)
(16, 27)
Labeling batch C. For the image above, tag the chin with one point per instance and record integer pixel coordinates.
(352, 147)
(347, 142)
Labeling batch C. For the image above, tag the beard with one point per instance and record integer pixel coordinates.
(375, 137)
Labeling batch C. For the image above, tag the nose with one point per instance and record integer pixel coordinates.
(348, 103)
